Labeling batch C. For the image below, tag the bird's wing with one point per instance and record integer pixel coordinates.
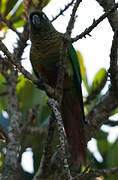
(76, 75)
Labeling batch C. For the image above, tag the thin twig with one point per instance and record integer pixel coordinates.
(111, 122)
(21, 44)
(94, 24)
(72, 19)
(63, 10)
(97, 173)
(113, 17)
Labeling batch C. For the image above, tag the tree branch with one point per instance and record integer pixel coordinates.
(72, 18)
(100, 113)
(62, 135)
(97, 173)
(12, 167)
(21, 44)
(112, 17)
(95, 23)
(111, 123)
(63, 10)
(113, 70)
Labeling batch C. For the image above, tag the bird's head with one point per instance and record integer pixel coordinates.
(39, 21)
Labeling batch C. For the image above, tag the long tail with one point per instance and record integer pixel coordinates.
(73, 123)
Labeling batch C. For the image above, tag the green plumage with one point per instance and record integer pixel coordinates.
(44, 56)
(77, 76)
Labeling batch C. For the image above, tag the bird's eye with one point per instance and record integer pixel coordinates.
(44, 16)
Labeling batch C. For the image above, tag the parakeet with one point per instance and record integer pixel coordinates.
(44, 56)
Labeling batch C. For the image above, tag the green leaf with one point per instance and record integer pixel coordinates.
(99, 80)
(2, 82)
(29, 96)
(83, 70)
(12, 10)
(9, 6)
(114, 111)
(19, 23)
(102, 143)
(13, 16)
(112, 157)
(6, 6)
(112, 160)
(16, 17)
(2, 158)
(3, 99)
(24, 90)
(3, 6)
(97, 85)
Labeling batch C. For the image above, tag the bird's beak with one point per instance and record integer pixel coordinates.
(36, 20)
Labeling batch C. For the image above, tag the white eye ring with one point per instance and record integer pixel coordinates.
(44, 16)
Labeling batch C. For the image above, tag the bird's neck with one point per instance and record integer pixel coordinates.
(37, 36)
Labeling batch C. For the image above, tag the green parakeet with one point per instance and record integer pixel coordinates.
(44, 57)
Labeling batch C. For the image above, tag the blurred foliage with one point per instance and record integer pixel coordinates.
(11, 11)
(96, 87)
(14, 11)
(40, 3)
(99, 80)
(30, 5)
(2, 158)
(30, 98)
(83, 71)
(3, 88)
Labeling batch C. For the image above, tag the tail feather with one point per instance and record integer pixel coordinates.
(73, 123)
